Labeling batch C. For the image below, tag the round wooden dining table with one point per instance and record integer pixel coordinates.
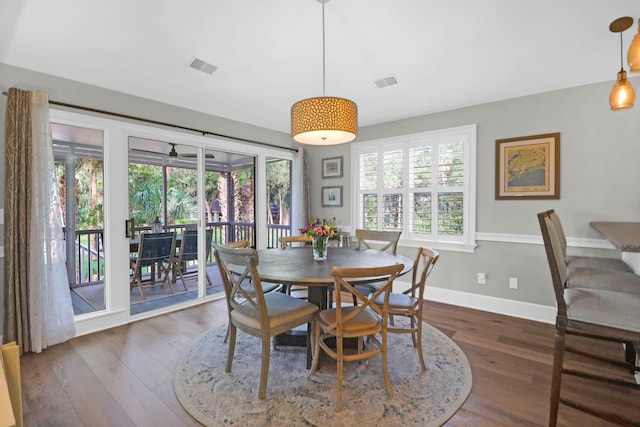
(295, 266)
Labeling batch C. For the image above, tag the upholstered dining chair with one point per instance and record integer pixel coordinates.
(188, 251)
(592, 272)
(577, 261)
(254, 312)
(366, 320)
(593, 313)
(154, 250)
(410, 302)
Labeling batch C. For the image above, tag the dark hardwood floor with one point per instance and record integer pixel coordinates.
(123, 376)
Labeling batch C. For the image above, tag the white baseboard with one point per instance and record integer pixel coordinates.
(524, 310)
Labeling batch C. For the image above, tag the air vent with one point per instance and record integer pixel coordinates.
(386, 81)
(200, 65)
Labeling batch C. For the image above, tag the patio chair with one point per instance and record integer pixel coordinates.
(155, 250)
(188, 252)
(410, 302)
(366, 320)
(254, 312)
(592, 313)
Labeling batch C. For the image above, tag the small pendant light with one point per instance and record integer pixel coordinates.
(622, 95)
(633, 55)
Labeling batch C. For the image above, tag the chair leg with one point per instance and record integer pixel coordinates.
(556, 378)
(316, 347)
(419, 345)
(264, 370)
(340, 368)
(232, 347)
(385, 372)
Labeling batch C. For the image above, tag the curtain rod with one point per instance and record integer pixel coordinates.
(172, 125)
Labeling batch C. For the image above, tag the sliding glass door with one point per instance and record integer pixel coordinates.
(123, 180)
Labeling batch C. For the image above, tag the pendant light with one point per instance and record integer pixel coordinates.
(633, 55)
(324, 120)
(622, 95)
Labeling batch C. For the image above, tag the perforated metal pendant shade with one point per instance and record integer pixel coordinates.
(324, 121)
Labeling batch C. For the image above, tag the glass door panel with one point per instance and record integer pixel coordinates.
(78, 155)
(279, 199)
(163, 198)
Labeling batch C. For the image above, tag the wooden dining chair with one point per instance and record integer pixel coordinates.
(301, 241)
(388, 239)
(266, 287)
(385, 241)
(154, 250)
(410, 303)
(592, 313)
(254, 312)
(366, 320)
(291, 241)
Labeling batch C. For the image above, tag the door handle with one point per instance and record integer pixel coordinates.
(129, 228)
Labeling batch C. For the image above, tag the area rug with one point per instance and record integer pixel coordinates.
(296, 398)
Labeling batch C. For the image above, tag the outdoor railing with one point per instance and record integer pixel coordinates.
(89, 251)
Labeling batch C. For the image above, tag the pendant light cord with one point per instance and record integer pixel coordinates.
(621, 53)
(323, 53)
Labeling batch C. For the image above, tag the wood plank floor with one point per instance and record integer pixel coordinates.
(123, 376)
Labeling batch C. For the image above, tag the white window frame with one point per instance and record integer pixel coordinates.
(466, 134)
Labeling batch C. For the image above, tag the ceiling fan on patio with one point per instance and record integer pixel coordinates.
(174, 153)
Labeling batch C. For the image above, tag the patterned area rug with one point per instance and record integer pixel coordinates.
(295, 398)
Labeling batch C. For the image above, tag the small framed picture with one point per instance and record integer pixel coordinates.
(528, 167)
(332, 196)
(332, 167)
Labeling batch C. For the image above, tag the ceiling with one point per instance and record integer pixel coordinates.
(445, 54)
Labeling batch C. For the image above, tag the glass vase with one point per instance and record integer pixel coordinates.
(320, 246)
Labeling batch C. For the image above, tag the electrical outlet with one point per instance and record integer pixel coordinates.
(513, 282)
(482, 278)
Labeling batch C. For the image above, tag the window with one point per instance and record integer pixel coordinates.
(421, 184)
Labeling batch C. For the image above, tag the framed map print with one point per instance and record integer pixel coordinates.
(528, 167)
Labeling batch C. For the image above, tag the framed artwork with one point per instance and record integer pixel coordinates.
(332, 196)
(332, 167)
(528, 167)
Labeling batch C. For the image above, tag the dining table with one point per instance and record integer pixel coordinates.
(296, 266)
(625, 236)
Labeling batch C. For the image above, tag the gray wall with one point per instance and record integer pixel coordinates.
(599, 180)
(600, 150)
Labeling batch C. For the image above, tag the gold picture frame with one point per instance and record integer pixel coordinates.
(528, 167)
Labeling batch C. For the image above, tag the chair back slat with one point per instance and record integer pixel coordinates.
(365, 237)
(156, 247)
(291, 241)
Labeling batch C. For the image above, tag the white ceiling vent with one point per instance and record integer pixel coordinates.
(201, 65)
(386, 81)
